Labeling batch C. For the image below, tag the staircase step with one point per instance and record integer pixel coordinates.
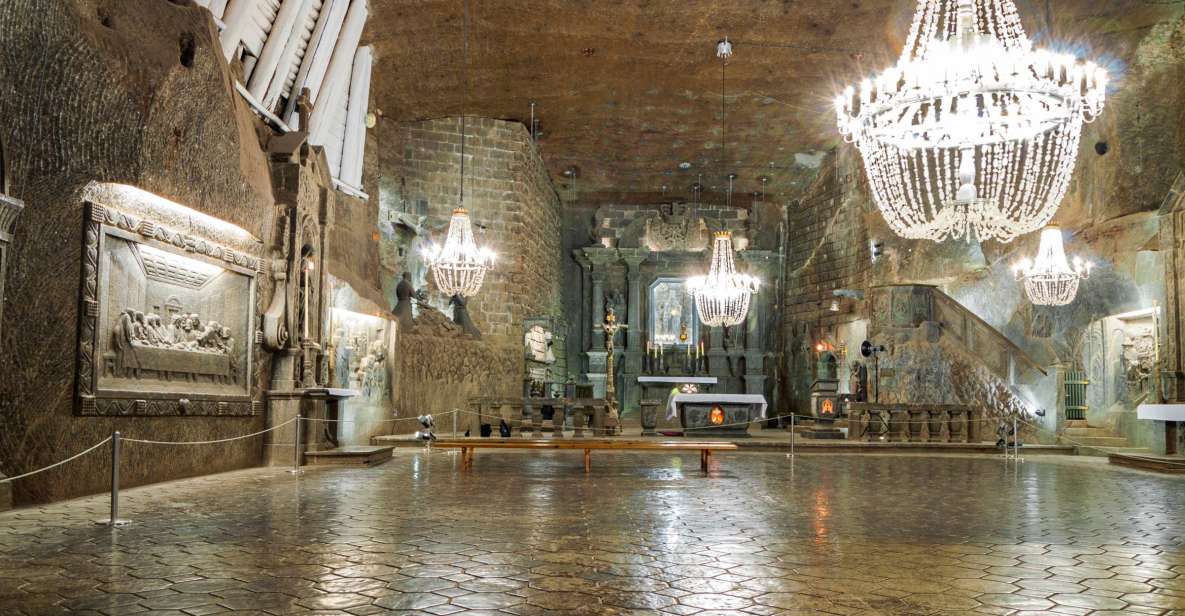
(354, 455)
(1088, 431)
(1107, 451)
(1096, 441)
(1161, 464)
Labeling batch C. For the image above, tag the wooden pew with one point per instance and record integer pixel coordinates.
(469, 445)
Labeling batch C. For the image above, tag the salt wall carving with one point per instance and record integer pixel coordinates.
(9, 210)
(362, 346)
(167, 321)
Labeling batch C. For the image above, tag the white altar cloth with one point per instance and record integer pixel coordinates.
(1161, 412)
(673, 401)
(679, 380)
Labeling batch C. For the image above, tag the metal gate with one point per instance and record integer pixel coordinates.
(1075, 388)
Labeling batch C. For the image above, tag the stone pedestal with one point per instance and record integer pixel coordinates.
(5, 495)
(598, 366)
(825, 409)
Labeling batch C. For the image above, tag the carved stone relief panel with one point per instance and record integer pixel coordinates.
(167, 323)
(677, 228)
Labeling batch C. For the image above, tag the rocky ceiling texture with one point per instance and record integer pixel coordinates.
(627, 90)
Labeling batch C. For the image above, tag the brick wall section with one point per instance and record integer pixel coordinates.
(826, 248)
(514, 208)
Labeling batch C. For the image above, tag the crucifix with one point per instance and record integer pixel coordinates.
(610, 326)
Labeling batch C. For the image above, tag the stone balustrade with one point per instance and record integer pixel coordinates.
(913, 423)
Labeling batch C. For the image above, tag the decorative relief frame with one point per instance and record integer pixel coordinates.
(103, 222)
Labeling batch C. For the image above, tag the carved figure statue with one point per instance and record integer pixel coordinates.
(125, 335)
(404, 294)
(858, 382)
(461, 316)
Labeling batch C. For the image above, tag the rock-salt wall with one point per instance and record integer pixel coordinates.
(98, 91)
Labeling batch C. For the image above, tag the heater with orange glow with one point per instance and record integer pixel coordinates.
(716, 416)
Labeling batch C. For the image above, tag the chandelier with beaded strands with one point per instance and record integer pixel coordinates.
(974, 133)
(722, 296)
(1051, 280)
(459, 266)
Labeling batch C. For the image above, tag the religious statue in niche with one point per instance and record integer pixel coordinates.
(672, 312)
(537, 343)
(538, 351)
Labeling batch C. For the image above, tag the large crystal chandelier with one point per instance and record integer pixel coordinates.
(722, 297)
(1050, 280)
(459, 267)
(973, 132)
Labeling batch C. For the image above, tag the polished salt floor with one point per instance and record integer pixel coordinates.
(530, 533)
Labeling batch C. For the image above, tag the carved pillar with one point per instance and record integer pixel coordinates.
(630, 395)
(293, 323)
(584, 324)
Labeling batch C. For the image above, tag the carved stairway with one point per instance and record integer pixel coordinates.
(1095, 440)
(943, 353)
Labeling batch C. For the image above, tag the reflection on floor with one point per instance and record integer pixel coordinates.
(529, 533)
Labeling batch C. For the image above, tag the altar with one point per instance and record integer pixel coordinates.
(716, 414)
(652, 399)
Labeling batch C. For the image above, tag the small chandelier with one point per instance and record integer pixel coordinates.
(722, 297)
(459, 267)
(973, 132)
(1050, 280)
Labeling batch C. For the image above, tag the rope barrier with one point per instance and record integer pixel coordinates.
(57, 464)
(893, 422)
(221, 440)
(377, 422)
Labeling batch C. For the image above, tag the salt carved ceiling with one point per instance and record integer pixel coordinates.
(628, 89)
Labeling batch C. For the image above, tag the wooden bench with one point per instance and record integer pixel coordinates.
(469, 445)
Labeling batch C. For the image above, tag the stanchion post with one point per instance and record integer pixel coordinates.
(793, 436)
(1015, 441)
(454, 423)
(114, 519)
(296, 447)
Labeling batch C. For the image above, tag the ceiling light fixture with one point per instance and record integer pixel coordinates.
(722, 297)
(973, 132)
(1050, 280)
(459, 267)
